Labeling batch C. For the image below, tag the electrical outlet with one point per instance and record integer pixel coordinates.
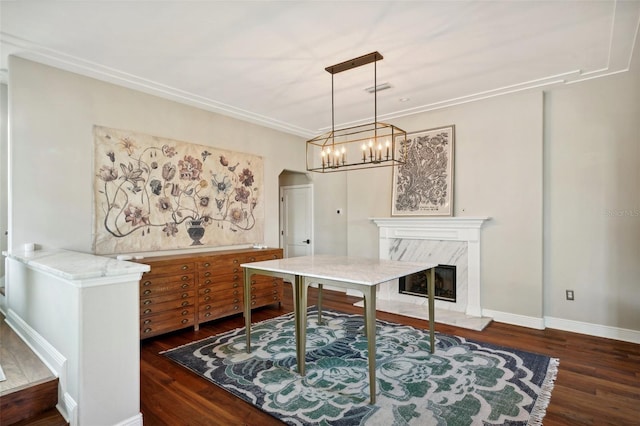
(569, 294)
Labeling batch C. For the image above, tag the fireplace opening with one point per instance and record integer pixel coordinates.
(445, 283)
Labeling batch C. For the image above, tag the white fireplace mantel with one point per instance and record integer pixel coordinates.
(464, 229)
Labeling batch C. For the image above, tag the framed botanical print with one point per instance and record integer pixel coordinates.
(423, 185)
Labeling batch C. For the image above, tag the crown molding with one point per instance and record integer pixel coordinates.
(11, 45)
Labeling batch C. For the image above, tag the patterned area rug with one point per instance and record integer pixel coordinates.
(464, 383)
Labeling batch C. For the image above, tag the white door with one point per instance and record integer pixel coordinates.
(296, 220)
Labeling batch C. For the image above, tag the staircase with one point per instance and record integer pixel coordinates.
(29, 394)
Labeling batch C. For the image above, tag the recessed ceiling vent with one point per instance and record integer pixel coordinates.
(379, 87)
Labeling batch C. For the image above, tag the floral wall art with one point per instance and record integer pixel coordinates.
(153, 193)
(423, 185)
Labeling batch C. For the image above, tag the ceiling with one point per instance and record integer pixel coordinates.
(264, 61)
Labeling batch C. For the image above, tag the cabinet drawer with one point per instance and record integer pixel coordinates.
(228, 295)
(220, 262)
(153, 306)
(258, 257)
(207, 277)
(265, 300)
(153, 290)
(171, 269)
(262, 281)
(221, 286)
(221, 304)
(170, 320)
(220, 312)
(152, 281)
(259, 292)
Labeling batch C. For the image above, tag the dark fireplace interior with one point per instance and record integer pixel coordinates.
(445, 285)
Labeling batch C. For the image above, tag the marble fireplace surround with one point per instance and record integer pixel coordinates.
(444, 240)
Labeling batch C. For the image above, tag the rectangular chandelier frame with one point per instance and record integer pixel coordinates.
(358, 147)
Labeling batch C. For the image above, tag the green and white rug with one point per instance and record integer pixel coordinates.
(464, 383)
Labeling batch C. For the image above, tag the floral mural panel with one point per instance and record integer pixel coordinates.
(423, 185)
(153, 193)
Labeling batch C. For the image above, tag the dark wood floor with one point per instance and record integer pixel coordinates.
(598, 381)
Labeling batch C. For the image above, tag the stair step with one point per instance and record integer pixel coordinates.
(29, 402)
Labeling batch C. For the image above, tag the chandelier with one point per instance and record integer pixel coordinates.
(358, 147)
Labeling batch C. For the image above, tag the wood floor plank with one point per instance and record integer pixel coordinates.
(598, 381)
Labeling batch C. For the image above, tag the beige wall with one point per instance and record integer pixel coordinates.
(53, 112)
(498, 173)
(592, 201)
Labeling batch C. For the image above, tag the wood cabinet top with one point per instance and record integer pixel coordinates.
(194, 257)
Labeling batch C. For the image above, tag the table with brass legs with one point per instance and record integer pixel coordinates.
(342, 272)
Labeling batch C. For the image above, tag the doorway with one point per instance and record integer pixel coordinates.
(296, 220)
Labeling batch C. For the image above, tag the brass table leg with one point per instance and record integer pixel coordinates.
(300, 312)
(247, 306)
(432, 324)
(370, 329)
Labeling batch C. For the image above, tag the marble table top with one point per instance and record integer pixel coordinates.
(342, 268)
(71, 265)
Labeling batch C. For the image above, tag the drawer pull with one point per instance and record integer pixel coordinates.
(207, 264)
(147, 302)
(185, 285)
(275, 256)
(185, 295)
(147, 283)
(252, 259)
(147, 311)
(147, 292)
(208, 314)
(253, 302)
(253, 289)
(235, 270)
(253, 296)
(235, 285)
(207, 274)
(207, 298)
(235, 300)
(235, 308)
(235, 293)
(235, 260)
(185, 278)
(207, 290)
(253, 282)
(184, 321)
(185, 312)
(275, 283)
(185, 303)
(275, 291)
(207, 308)
(185, 267)
(147, 330)
(275, 297)
(207, 282)
(235, 277)
(147, 321)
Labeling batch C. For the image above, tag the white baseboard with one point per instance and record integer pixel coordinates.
(68, 407)
(132, 421)
(514, 319)
(38, 344)
(597, 330)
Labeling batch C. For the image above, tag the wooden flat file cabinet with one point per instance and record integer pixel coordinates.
(188, 289)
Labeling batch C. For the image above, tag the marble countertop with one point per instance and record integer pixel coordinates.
(342, 268)
(71, 265)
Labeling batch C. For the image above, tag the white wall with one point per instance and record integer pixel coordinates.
(4, 121)
(53, 112)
